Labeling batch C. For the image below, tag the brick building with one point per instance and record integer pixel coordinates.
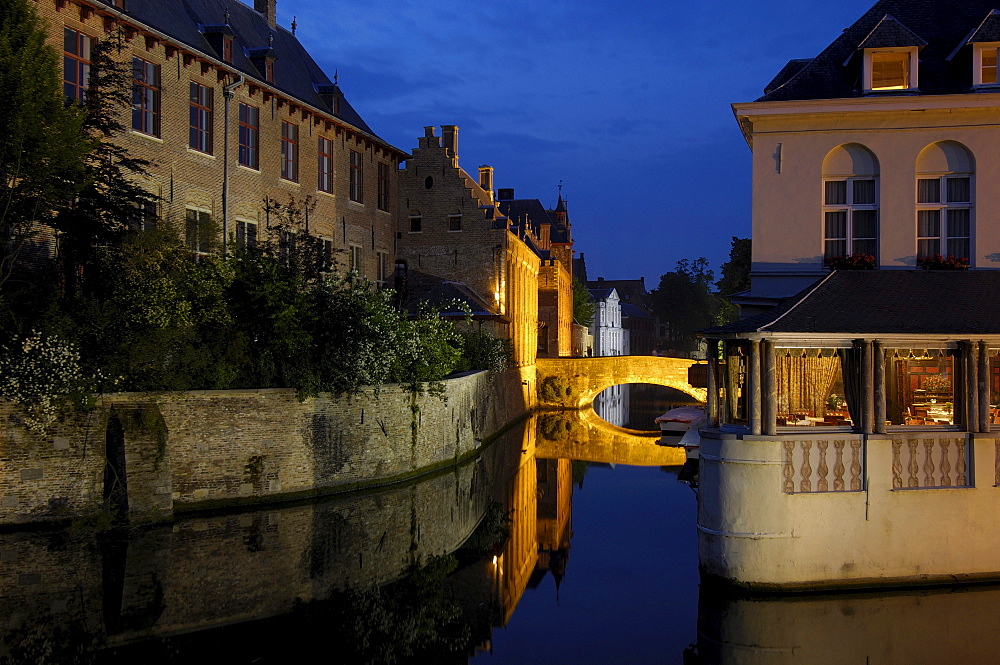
(451, 230)
(230, 109)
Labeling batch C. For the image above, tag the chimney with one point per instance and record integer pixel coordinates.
(428, 140)
(449, 139)
(486, 179)
(268, 9)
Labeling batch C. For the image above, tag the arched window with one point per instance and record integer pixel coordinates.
(945, 173)
(850, 202)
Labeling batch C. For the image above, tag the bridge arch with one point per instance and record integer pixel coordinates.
(575, 382)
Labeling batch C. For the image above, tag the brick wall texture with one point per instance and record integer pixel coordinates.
(210, 571)
(197, 449)
(185, 178)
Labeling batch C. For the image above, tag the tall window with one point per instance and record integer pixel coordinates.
(325, 169)
(944, 201)
(383, 186)
(246, 235)
(145, 97)
(201, 107)
(382, 270)
(199, 231)
(290, 151)
(249, 136)
(357, 177)
(76, 63)
(416, 222)
(850, 202)
(455, 222)
(355, 264)
(144, 216)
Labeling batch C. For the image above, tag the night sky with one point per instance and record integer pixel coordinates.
(627, 103)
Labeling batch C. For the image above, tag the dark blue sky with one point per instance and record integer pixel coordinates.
(626, 102)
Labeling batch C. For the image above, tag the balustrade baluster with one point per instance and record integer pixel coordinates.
(789, 470)
(821, 484)
(838, 467)
(897, 465)
(805, 483)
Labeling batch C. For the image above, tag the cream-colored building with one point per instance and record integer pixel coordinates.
(853, 437)
(885, 144)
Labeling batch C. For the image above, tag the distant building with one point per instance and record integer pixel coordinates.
(610, 338)
(229, 108)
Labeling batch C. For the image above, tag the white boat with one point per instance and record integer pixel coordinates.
(680, 427)
(679, 420)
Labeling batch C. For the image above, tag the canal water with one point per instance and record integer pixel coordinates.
(569, 540)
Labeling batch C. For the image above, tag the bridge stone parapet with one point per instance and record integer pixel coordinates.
(575, 382)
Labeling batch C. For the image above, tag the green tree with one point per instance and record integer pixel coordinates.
(110, 197)
(736, 271)
(583, 306)
(685, 302)
(735, 278)
(42, 147)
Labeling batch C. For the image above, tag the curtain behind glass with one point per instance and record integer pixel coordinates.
(850, 362)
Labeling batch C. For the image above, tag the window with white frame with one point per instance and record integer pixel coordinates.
(850, 203)
(850, 217)
(199, 231)
(945, 208)
(382, 270)
(984, 65)
(890, 69)
(355, 259)
(246, 234)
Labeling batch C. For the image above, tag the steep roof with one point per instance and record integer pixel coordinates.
(885, 302)
(295, 72)
(945, 60)
(533, 213)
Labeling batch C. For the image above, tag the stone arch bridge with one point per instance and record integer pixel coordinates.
(575, 382)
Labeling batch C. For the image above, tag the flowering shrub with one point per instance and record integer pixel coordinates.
(938, 262)
(852, 262)
(40, 372)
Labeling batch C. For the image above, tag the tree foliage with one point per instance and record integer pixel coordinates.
(736, 271)
(735, 278)
(685, 302)
(42, 145)
(583, 306)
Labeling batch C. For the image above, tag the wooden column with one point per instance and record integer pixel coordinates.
(878, 359)
(770, 391)
(867, 387)
(984, 388)
(712, 383)
(753, 387)
(971, 383)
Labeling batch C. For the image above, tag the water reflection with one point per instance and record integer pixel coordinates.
(902, 627)
(636, 405)
(434, 571)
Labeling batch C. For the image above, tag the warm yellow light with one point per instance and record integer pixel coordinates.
(494, 559)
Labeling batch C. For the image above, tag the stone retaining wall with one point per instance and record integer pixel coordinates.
(196, 449)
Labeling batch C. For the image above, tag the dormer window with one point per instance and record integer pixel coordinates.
(985, 65)
(890, 57)
(269, 71)
(890, 70)
(227, 49)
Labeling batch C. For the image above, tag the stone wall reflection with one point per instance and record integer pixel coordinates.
(890, 628)
(64, 589)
